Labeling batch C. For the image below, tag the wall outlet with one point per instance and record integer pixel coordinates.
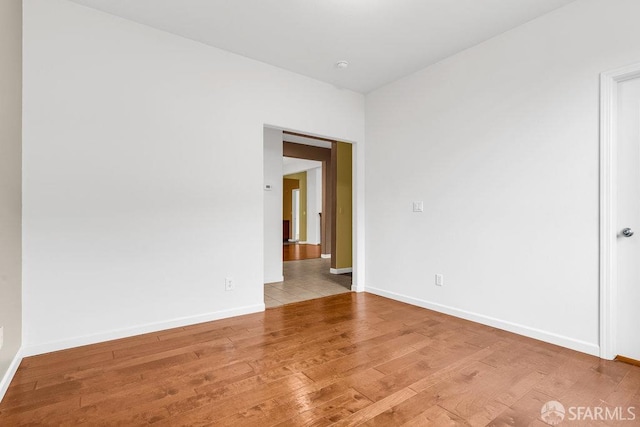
(1, 336)
(229, 284)
(439, 279)
(418, 206)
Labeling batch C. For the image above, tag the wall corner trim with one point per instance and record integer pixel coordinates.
(341, 270)
(550, 337)
(8, 376)
(36, 349)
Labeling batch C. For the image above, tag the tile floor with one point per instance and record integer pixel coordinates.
(304, 280)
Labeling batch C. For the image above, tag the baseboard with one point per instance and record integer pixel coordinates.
(356, 288)
(279, 279)
(33, 350)
(325, 256)
(8, 376)
(538, 334)
(341, 270)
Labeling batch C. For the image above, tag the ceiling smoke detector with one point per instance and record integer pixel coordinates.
(342, 64)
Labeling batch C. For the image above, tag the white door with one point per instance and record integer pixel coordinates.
(628, 220)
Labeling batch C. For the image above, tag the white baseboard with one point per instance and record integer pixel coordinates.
(325, 256)
(33, 350)
(356, 288)
(277, 279)
(341, 270)
(8, 376)
(550, 337)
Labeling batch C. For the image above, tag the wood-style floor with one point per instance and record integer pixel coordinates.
(342, 360)
(296, 251)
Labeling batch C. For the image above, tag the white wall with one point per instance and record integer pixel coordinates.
(10, 187)
(501, 143)
(314, 205)
(273, 206)
(134, 210)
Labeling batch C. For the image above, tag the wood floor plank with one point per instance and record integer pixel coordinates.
(297, 251)
(406, 410)
(376, 408)
(348, 359)
(436, 416)
(524, 412)
(209, 408)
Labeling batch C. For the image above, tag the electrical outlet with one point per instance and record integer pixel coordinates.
(439, 279)
(229, 284)
(1, 336)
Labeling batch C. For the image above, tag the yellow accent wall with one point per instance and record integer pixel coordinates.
(344, 207)
(301, 178)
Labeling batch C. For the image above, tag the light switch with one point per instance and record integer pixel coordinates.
(418, 206)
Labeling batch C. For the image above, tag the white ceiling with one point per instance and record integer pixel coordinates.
(383, 40)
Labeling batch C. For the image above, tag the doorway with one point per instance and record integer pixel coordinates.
(302, 198)
(295, 213)
(309, 205)
(620, 214)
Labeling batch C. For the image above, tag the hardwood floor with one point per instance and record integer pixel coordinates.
(342, 360)
(296, 251)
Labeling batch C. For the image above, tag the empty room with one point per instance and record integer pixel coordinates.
(469, 212)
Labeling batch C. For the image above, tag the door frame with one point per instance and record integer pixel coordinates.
(609, 83)
(358, 201)
(295, 214)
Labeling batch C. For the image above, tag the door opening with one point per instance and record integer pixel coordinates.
(310, 194)
(295, 214)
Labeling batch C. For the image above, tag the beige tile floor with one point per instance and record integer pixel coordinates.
(304, 280)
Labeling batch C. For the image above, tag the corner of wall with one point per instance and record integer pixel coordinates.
(9, 374)
(10, 189)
